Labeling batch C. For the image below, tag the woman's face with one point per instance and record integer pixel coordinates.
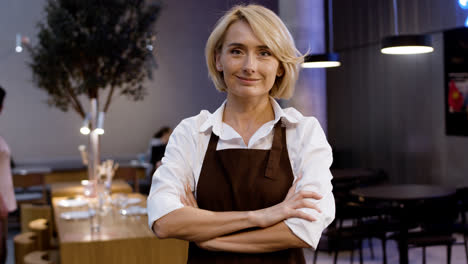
(248, 66)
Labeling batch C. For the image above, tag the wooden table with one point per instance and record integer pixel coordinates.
(75, 188)
(402, 197)
(120, 239)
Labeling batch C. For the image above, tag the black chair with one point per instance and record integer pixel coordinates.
(461, 227)
(435, 219)
(354, 223)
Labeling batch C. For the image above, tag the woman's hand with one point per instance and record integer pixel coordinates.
(289, 208)
(187, 198)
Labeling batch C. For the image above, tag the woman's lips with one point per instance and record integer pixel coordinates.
(247, 80)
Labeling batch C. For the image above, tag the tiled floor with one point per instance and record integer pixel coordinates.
(435, 255)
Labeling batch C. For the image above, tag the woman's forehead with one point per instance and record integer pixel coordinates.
(240, 33)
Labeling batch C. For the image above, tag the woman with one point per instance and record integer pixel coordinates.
(260, 174)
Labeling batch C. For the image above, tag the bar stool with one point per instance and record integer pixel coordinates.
(29, 212)
(43, 233)
(24, 243)
(42, 257)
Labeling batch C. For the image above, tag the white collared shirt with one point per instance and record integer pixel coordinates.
(308, 149)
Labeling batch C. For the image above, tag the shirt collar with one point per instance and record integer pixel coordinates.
(215, 120)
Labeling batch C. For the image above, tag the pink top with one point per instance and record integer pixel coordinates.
(6, 182)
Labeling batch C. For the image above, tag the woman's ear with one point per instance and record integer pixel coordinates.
(280, 71)
(219, 66)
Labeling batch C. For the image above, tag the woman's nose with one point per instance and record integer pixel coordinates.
(250, 64)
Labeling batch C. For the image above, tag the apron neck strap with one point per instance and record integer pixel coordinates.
(279, 139)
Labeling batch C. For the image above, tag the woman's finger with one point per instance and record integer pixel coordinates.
(189, 196)
(307, 195)
(306, 204)
(183, 200)
(192, 200)
(302, 215)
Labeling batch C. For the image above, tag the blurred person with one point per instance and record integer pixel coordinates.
(7, 192)
(249, 183)
(157, 146)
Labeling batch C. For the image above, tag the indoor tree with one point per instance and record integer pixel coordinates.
(94, 50)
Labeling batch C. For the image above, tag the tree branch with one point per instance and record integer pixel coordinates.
(109, 99)
(77, 104)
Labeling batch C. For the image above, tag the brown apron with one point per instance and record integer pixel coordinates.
(244, 180)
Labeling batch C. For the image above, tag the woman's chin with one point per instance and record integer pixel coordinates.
(247, 93)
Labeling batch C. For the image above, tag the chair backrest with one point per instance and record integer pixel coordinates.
(437, 215)
(462, 199)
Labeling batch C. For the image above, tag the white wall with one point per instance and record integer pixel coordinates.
(305, 20)
(180, 88)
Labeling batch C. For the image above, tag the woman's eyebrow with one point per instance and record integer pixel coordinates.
(235, 44)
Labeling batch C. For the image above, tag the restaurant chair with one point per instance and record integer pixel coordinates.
(354, 223)
(42, 257)
(461, 227)
(43, 233)
(436, 219)
(24, 243)
(30, 212)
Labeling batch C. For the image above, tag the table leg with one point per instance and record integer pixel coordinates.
(403, 245)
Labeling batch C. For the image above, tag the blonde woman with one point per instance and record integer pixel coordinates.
(249, 183)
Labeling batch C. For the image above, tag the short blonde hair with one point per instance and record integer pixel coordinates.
(267, 27)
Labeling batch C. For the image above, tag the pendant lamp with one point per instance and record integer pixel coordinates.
(405, 44)
(329, 59)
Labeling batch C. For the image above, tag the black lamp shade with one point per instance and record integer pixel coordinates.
(424, 42)
(322, 57)
(326, 60)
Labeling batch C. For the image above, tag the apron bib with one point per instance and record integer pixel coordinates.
(244, 180)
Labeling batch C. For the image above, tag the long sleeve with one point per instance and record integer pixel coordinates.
(170, 178)
(313, 156)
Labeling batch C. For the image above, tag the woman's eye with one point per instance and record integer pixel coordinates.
(265, 53)
(235, 51)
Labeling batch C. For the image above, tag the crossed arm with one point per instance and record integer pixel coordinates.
(212, 230)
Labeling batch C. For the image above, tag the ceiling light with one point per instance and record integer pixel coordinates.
(328, 59)
(405, 44)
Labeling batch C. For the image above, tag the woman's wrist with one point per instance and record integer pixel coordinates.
(258, 218)
(253, 218)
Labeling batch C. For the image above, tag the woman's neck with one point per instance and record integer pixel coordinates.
(247, 115)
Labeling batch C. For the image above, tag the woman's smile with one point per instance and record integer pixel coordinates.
(247, 80)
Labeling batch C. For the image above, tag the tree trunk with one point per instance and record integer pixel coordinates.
(94, 146)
